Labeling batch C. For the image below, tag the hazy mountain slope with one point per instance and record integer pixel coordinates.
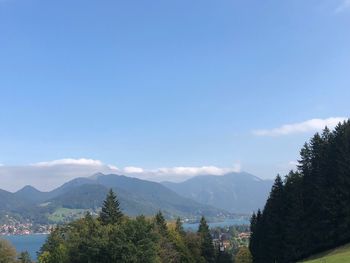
(155, 193)
(91, 196)
(18, 207)
(234, 192)
(32, 194)
(10, 202)
(29, 193)
(136, 197)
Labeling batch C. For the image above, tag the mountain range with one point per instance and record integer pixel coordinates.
(212, 196)
(233, 192)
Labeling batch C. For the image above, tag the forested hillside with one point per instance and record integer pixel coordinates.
(309, 211)
(136, 196)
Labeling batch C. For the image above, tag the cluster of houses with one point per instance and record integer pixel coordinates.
(225, 241)
(14, 227)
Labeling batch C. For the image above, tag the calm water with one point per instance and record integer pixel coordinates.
(30, 243)
(227, 222)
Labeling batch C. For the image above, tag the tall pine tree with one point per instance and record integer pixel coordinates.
(110, 213)
(310, 211)
(207, 247)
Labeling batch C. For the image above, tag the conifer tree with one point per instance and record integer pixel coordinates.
(110, 213)
(273, 220)
(24, 257)
(179, 227)
(254, 235)
(161, 223)
(309, 212)
(207, 247)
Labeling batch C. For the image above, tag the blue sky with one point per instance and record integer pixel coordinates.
(153, 84)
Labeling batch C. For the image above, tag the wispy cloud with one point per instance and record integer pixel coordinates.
(344, 5)
(192, 171)
(133, 170)
(50, 174)
(301, 127)
(69, 161)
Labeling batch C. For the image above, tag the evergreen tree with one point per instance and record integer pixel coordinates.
(254, 238)
(24, 257)
(273, 220)
(179, 227)
(224, 257)
(310, 211)
(293, 240)
(160, 223)
(207, 247)
(111, 213)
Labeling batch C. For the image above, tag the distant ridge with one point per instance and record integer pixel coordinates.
(234, 192)
(31, 194)
(135, 195)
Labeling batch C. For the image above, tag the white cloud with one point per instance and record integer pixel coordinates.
(301, 127)
(212, 170)
(112, 167)
(177, 173)
(344, 5)
(133, 170)
(68, 161)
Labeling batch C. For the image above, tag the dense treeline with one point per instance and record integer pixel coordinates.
(113, 237)
(308, 211)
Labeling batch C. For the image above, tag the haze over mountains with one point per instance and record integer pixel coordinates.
(234, 192)
(203, 195)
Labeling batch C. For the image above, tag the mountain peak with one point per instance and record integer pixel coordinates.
(96, 176)
(237, 192)
(28, 188)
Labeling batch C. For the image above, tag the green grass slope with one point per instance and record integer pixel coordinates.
(337, 255)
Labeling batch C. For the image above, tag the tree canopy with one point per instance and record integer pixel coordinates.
(7, 252)
(123, 239)
(110, 213)
(308, 211)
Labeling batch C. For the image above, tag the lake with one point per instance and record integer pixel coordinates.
(225, 223)
(32, 243)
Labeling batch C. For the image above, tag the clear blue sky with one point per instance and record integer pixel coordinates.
(169, 83)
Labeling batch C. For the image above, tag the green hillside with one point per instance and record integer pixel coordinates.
(338, 255)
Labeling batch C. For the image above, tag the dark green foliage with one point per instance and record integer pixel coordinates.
(160, 224)
(309, 212)
(87, 240)
(24, 257)
(178, 227)
(224, 257)
(193, 242)
(111, 213)
(207, 247)
(273, 223)
(139, 240)
(244, 256)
